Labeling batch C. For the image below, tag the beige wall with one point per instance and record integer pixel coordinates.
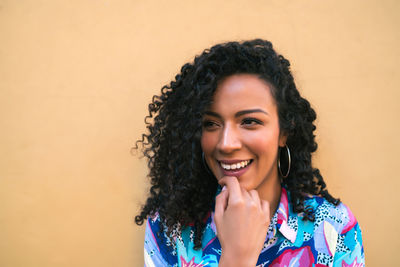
(75, 80)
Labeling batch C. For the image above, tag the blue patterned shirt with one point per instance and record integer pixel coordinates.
(333, 239)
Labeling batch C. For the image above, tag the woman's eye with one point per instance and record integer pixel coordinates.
(209, 124)
(251, 122)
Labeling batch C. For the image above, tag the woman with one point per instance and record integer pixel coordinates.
(232, 182)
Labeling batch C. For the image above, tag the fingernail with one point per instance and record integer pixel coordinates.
(223, 188)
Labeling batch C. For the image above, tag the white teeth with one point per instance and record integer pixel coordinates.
(235, 166)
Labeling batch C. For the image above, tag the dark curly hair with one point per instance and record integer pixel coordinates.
(182, 190)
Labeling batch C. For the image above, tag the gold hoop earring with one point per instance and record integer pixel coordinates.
(289, 161)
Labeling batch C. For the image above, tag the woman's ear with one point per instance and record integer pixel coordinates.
(282, 139)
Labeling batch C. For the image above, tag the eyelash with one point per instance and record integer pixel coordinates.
(209, 124)
(246, 122)
(252, 121)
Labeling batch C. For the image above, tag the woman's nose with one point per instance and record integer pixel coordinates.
(229, 140)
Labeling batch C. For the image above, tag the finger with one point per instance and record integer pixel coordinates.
(265, 208)
(221, 202)
(246, 195)
(233, 187)
(255, 197)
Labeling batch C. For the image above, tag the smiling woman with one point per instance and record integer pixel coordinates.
(229, 151)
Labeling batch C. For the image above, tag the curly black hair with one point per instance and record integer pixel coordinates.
(182, 190)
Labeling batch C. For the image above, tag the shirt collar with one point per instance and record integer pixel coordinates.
(282, 218)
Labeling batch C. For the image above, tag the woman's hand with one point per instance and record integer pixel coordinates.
(242, 221)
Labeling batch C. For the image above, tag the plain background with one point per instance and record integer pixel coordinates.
(75, 80)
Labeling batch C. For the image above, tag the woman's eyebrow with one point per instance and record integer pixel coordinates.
(247, 111)
(238, 114)
(210, 113)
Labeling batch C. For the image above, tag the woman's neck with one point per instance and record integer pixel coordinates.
(271, 192)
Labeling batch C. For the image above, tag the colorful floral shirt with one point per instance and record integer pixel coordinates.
(333, 239)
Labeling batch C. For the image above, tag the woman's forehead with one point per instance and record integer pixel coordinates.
(242, 91)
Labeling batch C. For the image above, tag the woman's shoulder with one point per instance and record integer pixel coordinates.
(335, 231)
(339, 216)
(160, 248)
(163, 249)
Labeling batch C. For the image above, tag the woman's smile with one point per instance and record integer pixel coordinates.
(241, 133)
(234, 167)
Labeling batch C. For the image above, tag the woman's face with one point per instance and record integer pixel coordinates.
(241, 135)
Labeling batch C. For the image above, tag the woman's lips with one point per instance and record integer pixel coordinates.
(234, 172)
